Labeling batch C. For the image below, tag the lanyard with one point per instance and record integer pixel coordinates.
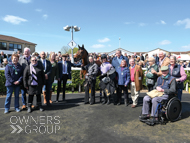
(13, 68)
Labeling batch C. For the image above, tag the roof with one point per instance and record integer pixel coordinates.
(119, 49)
(13, 39)
(179, 53)
(157, 49)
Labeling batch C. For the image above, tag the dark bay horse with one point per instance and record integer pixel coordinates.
(83, 55)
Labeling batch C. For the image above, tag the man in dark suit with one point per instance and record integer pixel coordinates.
(141, 57)
(156, 59)
(47, 70)
(64, 67)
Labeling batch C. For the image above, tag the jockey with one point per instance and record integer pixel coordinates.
(104, 68)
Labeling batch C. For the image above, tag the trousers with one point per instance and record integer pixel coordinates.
(64, 80)
(92, 96)
(134, 94)
(146, 104)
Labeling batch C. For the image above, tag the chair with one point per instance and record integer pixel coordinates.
(168, 110)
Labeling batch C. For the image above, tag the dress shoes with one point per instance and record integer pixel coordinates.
(133, 106)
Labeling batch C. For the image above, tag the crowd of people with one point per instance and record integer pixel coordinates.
(139, 59)
(35, 73)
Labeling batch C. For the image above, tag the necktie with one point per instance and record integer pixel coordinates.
(26, 59)
(64, 68)
(44, 64)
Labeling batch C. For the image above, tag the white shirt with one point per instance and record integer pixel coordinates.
(43, 64)
(161, 61)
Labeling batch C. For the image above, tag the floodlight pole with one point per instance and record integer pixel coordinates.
(72, 60)
(119, 42)
(67, 28)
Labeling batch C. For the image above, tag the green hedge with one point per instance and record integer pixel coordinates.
(2, 83)
(76, 81)
(187, 80)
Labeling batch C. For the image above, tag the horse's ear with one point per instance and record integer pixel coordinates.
(79, 47)
(83, 46)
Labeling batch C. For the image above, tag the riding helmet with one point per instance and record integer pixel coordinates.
(103, 56)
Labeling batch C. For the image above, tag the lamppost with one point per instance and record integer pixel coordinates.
(67, 28)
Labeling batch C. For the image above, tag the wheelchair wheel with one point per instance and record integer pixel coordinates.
(173, 110)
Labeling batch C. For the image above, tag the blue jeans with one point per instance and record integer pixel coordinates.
(10, 89)
(44, 88)
(179, 93)
(23, 92)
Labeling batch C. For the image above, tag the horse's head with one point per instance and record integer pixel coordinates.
(81, 54)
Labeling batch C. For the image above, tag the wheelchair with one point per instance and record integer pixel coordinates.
(168, 110)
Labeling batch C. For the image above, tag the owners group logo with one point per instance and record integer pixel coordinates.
(38, 124)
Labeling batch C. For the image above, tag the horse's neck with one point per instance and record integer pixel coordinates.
(84, 61)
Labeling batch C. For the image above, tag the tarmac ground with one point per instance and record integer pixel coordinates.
(73, 122)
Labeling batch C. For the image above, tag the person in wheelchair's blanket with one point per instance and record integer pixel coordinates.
(90, 79)
(166, 84)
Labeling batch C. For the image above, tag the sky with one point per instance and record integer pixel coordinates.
(141, 25)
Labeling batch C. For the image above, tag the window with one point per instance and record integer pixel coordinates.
(19, 47)
(11, 48)
(14, 47)
(3, 46)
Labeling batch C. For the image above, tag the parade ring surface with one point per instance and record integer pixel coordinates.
(96, 123)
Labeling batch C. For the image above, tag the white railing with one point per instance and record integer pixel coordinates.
(186, 69)
(71, 69)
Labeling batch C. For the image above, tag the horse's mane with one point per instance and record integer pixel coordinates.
(86, 51)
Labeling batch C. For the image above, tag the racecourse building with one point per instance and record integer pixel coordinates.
(8, 44)
(180, 55)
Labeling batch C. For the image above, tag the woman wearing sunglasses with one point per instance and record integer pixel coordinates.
(34, 79)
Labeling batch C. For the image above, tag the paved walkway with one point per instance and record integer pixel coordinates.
(72, 122)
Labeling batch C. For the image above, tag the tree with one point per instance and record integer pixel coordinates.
(74, 50)
(66, 49)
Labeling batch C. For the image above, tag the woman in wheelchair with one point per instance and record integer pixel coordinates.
(165, 84)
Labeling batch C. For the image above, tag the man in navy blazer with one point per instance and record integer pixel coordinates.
(47, 70)
(64, 74)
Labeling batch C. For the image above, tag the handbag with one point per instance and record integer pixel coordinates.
(106, 80)
(150, 81)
